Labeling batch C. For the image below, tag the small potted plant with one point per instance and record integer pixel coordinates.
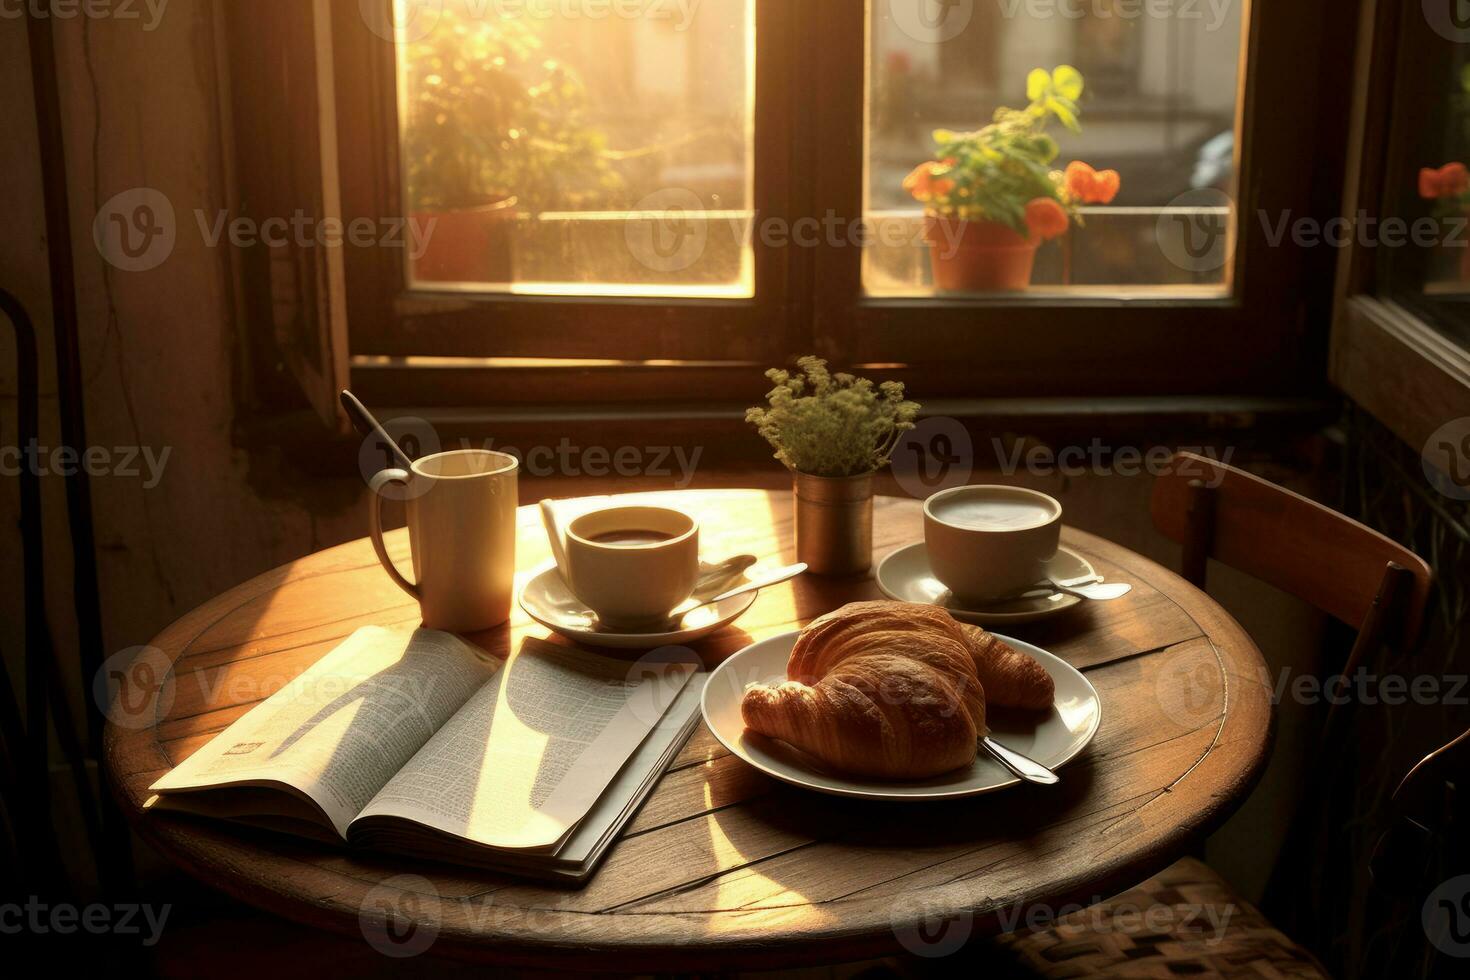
(991, 197)
(833, 432)
(493, 129)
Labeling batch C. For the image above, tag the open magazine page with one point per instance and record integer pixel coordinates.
(530, 753)
(339, 731)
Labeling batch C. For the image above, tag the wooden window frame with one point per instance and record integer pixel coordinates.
(558, 358)
(1385, 356)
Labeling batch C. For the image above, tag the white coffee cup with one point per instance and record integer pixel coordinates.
(988, 542)
(632, 565)
(462, 530)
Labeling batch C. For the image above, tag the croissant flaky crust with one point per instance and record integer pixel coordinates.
(1011, 679)
(890, 690)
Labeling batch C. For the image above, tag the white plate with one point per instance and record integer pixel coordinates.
(548, 601)
(1053, 739)
(905, 575)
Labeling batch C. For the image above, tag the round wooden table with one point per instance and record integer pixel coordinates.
(724, 867)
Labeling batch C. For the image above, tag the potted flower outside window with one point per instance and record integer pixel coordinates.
(493, 129)
(991, 197)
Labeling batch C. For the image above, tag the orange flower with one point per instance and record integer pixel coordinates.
(1092, 186)
(924, 185)
(1451, 180)
(1046, 218)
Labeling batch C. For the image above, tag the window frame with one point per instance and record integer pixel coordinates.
(1386, 357)
(1267, 338)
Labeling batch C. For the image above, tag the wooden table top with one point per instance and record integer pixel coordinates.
(724, 865)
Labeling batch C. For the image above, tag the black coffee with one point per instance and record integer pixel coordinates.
(631, 538)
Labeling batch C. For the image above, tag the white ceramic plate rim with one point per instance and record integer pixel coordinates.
(736, 607)
(839, 785)
(1060, 605)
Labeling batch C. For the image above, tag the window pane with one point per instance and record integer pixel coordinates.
(579, 146)
(1421, 239)
(1157, 104)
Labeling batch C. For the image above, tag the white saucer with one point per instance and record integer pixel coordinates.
(1052, 739)
(906, 576)
(548, 601)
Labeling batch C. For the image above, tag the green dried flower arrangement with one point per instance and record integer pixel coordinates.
(832, 425)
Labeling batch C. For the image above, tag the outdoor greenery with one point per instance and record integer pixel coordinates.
(490, 117)
(1004, 173)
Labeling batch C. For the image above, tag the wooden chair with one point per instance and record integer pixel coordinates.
(1349, 572)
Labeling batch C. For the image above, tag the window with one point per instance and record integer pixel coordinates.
(1159, 108)
(581, 152)
(578, 147)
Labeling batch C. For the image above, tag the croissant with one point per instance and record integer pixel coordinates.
(1011, 679)
(881, 689)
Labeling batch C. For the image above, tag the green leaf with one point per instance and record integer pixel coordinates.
(1067, 82)
(1038, 83)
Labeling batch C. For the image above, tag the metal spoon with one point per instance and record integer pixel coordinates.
(763, 581)
(1096, 591)
(1027, 768)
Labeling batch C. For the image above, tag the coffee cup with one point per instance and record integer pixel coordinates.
(990, 542)
(632, 565)
(462, 532)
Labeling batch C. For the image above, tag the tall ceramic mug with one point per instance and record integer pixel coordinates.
(462, 530)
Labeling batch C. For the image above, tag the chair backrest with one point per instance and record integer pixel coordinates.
(1347, 570)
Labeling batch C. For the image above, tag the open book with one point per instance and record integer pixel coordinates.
(422, 745)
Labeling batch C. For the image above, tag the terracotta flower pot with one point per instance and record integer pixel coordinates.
(978, 256)
(468, 244)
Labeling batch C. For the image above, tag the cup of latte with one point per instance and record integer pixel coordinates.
(632, 565)
(989, 542)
